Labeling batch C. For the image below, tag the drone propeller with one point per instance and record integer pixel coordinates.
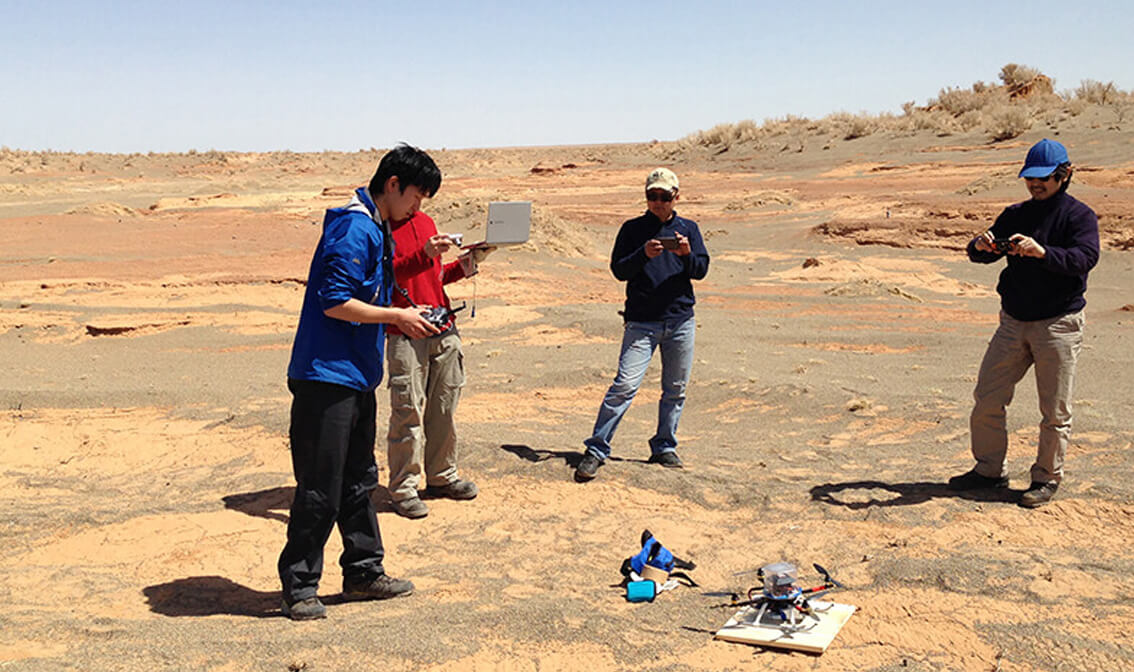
(827, 576)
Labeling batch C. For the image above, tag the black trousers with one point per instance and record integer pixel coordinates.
(332, 452)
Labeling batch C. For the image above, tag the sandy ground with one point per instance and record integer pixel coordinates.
(147, 306)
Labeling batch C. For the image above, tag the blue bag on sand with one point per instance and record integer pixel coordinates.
(654, 555)
(654, 559)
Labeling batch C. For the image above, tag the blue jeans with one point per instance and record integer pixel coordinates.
(639, 340)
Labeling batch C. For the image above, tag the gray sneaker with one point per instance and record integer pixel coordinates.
(305, 610)
(1038, 494)
(411, 508)
(381, 587)
(458, 489)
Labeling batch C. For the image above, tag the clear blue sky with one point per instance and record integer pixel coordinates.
(250, 75)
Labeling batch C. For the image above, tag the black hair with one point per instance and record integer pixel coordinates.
(1063, 174)
(411, 166)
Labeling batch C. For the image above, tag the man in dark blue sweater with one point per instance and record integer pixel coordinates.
(1051, 242)
(657, 255)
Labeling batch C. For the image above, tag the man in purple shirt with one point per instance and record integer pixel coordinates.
(1051, 243)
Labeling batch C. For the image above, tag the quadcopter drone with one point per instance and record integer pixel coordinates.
(782, 596)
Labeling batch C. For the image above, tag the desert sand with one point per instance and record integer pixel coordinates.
(147, 308)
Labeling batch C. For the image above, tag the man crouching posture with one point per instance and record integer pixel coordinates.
(336, 363)
(1051, 242)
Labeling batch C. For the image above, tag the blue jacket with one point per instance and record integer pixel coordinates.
(351, 261)
(1038, 289)
(660, 288)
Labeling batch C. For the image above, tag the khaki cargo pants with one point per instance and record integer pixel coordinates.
(1053, 346)
(425, 380)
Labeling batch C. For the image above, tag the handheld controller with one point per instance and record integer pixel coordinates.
(442, 317)
(1002, 245)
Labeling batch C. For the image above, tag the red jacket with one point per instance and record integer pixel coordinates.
(421, 276)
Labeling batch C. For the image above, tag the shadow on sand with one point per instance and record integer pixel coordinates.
(210, 596)
(216, 595)
(275, 503)
(570, 457)
(904, 494)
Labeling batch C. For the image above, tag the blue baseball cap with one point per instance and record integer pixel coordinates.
(1043, 158)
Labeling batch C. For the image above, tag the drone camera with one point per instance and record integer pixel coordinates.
(780, 579)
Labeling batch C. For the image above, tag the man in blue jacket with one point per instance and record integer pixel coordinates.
(1051, 242)
(336, 364)
(657, 255)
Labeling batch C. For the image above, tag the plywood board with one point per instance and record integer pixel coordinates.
(814, 638)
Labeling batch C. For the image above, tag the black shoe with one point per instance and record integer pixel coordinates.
(588, 467)
(305, 610)
(971, 480)
(1038, 494)
(667, 459)
(458, 489)
(381, 587)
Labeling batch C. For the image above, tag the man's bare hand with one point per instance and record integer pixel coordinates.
(437, 245)
(683, 248)
(411, 323)
(653, 248)
(984, 242)
(1026, 246)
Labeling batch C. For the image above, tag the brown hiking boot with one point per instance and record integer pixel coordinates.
(304, 610)
(971, 480)
(1038, 494)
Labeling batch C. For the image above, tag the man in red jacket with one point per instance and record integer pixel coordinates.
(425, 374)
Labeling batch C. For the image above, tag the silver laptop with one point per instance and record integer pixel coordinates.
(509, 223)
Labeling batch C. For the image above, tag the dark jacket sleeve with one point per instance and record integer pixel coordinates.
(629, 254)
(697, 261)
(1081, 252)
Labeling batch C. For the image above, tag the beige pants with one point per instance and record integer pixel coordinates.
(1053, 346)
(425, 380)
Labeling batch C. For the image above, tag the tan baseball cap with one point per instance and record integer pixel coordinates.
(662, 178)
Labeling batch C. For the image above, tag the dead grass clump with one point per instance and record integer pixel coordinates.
(850, 126)
(726, 135)
(960, 101)
(1008, 121)
(1025, 97)
(1097, 93)
(1014, 75)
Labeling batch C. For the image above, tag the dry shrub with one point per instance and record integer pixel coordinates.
(849, 126)
(970, 120)
(1014, 75)
(726, 135)
(1076, 106)
(1003, 111)
(1008, 121)
(960, 101)
(939, 121)
(1097, 93)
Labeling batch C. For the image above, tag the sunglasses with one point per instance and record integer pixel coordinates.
(659, 195)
